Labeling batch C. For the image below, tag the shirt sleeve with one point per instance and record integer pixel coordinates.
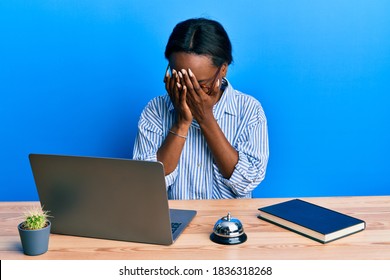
(253, 152)
(150, 136)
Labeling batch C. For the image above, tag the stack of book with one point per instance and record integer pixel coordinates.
(316, 222)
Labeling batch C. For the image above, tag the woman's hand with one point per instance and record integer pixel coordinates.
(178, 94)
(199, 102)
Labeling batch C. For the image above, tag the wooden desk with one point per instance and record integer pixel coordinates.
(265, 241)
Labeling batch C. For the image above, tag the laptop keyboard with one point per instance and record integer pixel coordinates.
(175, 226)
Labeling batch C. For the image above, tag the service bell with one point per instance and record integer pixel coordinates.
(228, 231)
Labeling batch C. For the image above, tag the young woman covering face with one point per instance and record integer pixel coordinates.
(211, 138)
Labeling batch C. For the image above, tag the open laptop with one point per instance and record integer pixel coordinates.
(108, 198)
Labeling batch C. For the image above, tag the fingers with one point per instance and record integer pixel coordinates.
(191, 82)
(171, 84)
(178, 79)
(176, 87)
(173, 80)
(183, 96)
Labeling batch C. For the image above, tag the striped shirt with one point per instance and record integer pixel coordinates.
(242, 120)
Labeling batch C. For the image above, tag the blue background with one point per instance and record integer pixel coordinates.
(75, 75)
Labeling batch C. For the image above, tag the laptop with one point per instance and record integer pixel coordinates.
(108, 198)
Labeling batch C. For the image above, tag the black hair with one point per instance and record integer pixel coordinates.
(201, 36)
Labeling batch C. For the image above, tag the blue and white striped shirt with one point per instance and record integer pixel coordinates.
(244, 124)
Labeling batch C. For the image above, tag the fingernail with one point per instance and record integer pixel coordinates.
(178, 85)
(190, 72)
(180, 74)
(184, 71)
(218, 83)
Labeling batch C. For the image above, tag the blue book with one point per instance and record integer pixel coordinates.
(316, 222)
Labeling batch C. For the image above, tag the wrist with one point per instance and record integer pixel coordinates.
(207, 120)
(181, 128)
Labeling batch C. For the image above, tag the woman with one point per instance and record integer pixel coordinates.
(212, 139)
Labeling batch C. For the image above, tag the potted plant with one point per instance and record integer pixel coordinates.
(34, 231)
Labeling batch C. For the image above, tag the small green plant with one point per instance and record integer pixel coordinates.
(35, 218)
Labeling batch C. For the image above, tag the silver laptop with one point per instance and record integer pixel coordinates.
(117, 199)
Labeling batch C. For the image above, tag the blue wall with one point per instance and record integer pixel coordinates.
(75, 75)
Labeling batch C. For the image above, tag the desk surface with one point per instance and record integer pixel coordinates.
(265, 240)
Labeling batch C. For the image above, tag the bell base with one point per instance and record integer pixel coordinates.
(228, 240)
